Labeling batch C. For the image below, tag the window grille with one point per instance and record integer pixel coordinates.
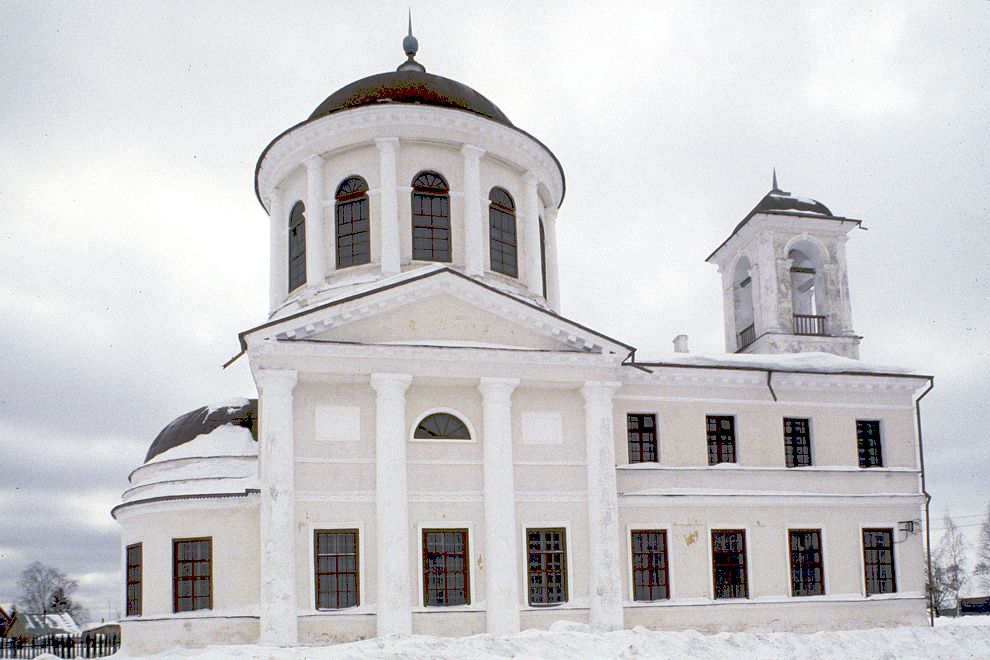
(878, 561)
(446, 567)
(352, 221)
(192, 574)
(336, 558)
(441, 426)
(721, 439)
(807, 574)
(797, 442)
(641, 432)
(649, 562)
(547, 566)
(729, 563)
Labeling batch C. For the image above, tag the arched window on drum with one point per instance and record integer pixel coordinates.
(352, 220)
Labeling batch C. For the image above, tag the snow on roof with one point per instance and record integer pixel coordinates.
(801, 362)
(226, 440)
(229, 405)
(38, 625)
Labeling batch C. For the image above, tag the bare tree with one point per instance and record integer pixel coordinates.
(949, 566)
(982, 568)
(47, 589)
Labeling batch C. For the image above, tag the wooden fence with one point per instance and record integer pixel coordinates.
(63, 646)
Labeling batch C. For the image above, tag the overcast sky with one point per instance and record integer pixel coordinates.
(132, 248)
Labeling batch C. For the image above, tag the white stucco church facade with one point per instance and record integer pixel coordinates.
(436, 449)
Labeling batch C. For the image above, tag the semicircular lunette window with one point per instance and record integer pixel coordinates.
(441, 426)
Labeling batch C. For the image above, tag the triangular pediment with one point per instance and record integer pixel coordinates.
(443, 308)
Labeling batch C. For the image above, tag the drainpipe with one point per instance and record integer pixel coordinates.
(928, 499)
(770, 384)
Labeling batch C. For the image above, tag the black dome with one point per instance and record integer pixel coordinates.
(410, 87)
(204, 420)
(778, 200)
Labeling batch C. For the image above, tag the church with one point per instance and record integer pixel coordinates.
(436, 449)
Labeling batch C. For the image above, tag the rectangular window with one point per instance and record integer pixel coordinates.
(192, 574)
(445, 567)
(336, 558)
(641, 431)
(547, 571)
(729, 563)
(721, 439)
(807, 576)
(868, 439)
(797, 442)
(649, 563)
(134, 580)
(878, 560)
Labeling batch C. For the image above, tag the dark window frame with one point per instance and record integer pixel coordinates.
(724, 564)
(874, 558)
(320, 576)
(503, 236)
(807, 563)
(540, 567)
(869, 445)
(721, 450)
(642, 441)
(445, 426)
(543, 257)
(465, 558)
(431, 232)
(652, 566)
(297, 246)
(177, 579)
(797, 442)
(133, 577)
(352, 223)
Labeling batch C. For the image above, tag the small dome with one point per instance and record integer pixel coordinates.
(778, 200)
(240, 412)
(410, 87)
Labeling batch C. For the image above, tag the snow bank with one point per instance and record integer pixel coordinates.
(574, 640)
(815, 362)
(226, 440)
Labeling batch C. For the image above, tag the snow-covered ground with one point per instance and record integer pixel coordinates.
(968, 637)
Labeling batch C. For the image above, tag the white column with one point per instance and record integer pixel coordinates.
(501, 563)
(278, 539)
(316, 270)
(531, 228)
(388, 150)
(392, 586)
(278, 283)
(553, 277)
(605, 594)
(474, 227)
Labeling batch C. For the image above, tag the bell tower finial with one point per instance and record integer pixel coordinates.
(410, 45)
(775, 188)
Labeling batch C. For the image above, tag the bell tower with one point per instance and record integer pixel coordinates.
(784, 281)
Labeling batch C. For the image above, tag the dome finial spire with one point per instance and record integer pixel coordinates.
(410, 45)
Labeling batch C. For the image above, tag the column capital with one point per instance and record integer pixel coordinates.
(530, 179)
(274, 197)
(390, 384)
(471, 152)
(314, 162)
(593, 389)
(387, 144)
(498, 387)
(275, 381)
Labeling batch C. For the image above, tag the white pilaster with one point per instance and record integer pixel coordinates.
(316, 270)
(392, 584)
(553, 277)
(605, 595)
(388, 150)
(474, 227)
(501, 564)
(531, 227)
(278, 540)
(278, 278)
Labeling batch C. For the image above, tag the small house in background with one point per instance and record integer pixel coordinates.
(974, 605)
(6, 616)
(24, 625)
(105, 629)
